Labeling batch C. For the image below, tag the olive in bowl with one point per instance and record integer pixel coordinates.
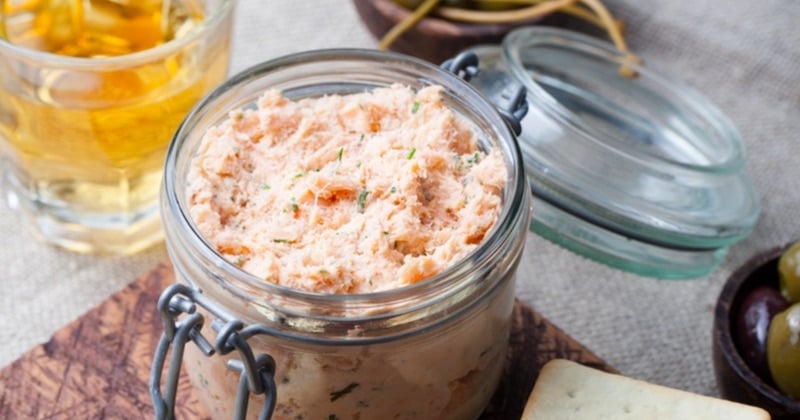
(433, 38)
(749, 309)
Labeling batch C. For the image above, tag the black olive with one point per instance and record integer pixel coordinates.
(752, 325)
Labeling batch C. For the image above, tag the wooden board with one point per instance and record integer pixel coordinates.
(98, 366)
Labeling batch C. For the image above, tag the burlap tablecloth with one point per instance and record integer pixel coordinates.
(744, 55)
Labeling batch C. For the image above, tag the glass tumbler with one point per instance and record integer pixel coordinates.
(431, 350)
(88, 105)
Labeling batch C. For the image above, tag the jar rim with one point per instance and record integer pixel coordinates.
(120, 61)
(515, 194)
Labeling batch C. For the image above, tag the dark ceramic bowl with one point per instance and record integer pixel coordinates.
(735, 379)
(431, 39)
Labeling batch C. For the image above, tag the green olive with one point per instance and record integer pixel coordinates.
(413, 4)
(783, 350)
(789, 272)
(495, 5)
(409, 4)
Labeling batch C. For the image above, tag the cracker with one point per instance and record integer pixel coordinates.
(568, 390)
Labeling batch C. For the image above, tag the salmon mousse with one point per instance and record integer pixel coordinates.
(345, 194)
(334, 198)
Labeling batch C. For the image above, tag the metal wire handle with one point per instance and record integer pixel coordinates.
(177, 306)
(511, 102)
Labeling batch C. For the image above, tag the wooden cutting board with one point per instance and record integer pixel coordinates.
(98, 366)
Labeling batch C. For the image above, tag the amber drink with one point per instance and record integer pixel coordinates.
(91, 92)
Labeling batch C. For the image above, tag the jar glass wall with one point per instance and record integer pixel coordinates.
(434, 349)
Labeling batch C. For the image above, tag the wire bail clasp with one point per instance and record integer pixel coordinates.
(177, 306)
(510, 101)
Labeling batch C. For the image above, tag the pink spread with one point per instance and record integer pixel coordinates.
(346, 193)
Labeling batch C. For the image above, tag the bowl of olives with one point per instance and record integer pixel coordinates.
(431, 38)
(436, 30)
(756, 336)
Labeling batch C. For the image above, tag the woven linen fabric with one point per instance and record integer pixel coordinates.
(742, 55)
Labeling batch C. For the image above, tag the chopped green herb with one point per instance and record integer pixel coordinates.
(385, 232)
(393, 190)
(362, 137)
(295, 207)
(362, 200)
(299, 175)
(341, 151)
(335, 395)
(411, 153)
(358, 164)
(282, 241)
(459, 163)
(265, 187)
(415, 108)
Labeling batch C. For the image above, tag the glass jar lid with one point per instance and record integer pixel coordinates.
(626, 166)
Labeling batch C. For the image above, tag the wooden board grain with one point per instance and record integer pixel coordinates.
(98, 366)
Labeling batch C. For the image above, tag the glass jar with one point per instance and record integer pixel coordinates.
(435, 349)
(627, 166)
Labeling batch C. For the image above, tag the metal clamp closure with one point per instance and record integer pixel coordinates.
(177, 306)
(511, 101)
